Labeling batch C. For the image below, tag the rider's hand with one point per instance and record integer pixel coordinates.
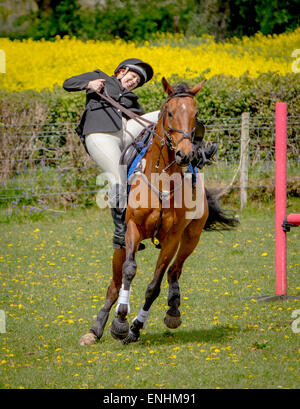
(96, 85)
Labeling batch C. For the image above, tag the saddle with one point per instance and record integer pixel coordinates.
(133, 154)
(135, 151)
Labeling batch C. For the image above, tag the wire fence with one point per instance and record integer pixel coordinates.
(45, 164)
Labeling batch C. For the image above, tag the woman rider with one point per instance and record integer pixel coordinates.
(105, 131)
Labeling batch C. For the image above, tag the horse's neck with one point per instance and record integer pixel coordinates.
(159, 158)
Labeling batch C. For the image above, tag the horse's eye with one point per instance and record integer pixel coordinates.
(170, 114)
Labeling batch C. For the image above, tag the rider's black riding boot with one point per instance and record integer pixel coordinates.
(118, 216)
(204, 155)
(118, 212)
(209, 151)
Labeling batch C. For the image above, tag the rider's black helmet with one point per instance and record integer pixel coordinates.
(144, 70)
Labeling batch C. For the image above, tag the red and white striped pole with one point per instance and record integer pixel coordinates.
(280, 197)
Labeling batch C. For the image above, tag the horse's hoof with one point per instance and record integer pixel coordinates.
(131, 337)
(88, 339)
(119, 329)
(172, 322)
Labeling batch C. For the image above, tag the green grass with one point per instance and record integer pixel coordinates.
(54, 276)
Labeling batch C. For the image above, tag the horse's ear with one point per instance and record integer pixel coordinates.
(166, 86)
(197, 87)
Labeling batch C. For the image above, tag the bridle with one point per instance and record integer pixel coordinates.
(167, 129)
(140, 120)
(168, 140)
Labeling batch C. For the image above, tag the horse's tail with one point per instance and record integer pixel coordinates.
(218, 218)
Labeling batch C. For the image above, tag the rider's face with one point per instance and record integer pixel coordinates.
(130, 80)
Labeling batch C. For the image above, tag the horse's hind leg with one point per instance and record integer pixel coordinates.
(189, 241)
(97, 329)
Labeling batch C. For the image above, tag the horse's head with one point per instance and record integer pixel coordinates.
(179, 119)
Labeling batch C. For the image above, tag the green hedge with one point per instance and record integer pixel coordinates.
(220, 97)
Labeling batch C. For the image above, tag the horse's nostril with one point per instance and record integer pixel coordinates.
(180, 154)
(191, 155)
(182, 159)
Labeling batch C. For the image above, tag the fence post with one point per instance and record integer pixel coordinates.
(244, 159)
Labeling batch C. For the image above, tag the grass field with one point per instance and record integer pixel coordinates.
(53, 280)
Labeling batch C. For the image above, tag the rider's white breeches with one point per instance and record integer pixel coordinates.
(106, 148)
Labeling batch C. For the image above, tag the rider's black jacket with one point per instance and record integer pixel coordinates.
(99, 115)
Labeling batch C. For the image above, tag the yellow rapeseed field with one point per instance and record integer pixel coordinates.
(42, 64)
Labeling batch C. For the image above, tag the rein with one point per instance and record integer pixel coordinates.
(126, 111)
(164, 141)
(163, 195)
(168, 141)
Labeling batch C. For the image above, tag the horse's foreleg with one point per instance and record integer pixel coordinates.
(167, 252)
(97, 329)
(120, 327)
(189, 241)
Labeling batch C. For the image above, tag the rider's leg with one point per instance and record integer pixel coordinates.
(202, 154)
(105, 149)
(133, 129)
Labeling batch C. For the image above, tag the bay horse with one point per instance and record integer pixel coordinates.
(176, 227)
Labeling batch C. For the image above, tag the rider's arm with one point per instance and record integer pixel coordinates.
(80, 82)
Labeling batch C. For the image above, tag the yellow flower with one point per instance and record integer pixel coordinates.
(49, 63)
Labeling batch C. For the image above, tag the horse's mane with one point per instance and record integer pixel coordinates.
(181, 88)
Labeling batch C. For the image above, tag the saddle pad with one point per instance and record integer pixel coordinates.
(135, 163)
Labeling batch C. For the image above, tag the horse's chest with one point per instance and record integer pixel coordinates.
(171, 219)
(161, 221)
